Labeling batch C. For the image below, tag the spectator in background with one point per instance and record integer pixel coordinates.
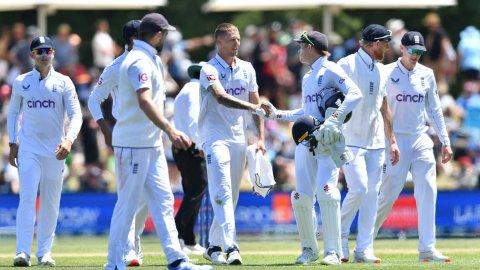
(20, 53)
(65, 54)
(103, 46)
(397, 26)
(335, 47)
(440, 55)
(469, 53)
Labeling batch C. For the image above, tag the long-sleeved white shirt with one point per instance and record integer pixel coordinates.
(366, 127)
(107, 84)
(186, 109)
(36, 116)
(411, 96)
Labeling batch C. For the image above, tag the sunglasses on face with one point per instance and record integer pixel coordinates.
(42, 51)
(415, 51)
(305, 38)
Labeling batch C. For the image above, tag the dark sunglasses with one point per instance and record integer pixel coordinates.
(415, 51)
(43, 51)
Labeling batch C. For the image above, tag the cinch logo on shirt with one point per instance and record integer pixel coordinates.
(311, 98)
(41, 104)
(235, 91)
(409, 98)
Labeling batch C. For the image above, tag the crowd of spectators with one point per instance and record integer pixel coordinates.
(274, 55)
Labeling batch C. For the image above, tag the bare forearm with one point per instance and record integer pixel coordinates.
(232, 102)
(388, 126)
(154, 114)
(260, 127)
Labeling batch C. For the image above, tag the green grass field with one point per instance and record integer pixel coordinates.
(89, 252)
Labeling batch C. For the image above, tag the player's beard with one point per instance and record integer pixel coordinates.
(159, 46)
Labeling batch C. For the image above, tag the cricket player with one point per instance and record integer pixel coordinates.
(412, 95)
(108, 85)
(140, 163)
(39, 145)
(229, 92)
(317, 175)
(365, 136)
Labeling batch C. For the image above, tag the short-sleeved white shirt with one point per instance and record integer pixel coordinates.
(411, 96)
(366, 128)
(186, 109)
(107, 84)
(326, 74)
(216, 121)
(36, 116)
(142, 68)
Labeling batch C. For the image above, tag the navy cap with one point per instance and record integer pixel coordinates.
(314, 38)
(194, 70)
(41, 42)
(374, 32)
(154, 22)
(130, 29)
(414, 40)
(303, 127)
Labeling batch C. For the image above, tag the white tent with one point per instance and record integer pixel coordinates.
(48, 7)
(330, 7)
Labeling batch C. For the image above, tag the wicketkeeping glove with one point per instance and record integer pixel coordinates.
(330, 131)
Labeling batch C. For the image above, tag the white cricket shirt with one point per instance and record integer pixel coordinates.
(107, 84)
(216, 121)
(326, 74)
(366, 128)
(411, 96)
(142, 68)
(36, 116)
(186, 109)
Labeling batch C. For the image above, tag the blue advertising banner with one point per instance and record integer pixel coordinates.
(90, 213)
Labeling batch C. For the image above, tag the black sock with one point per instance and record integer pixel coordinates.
(177, 262)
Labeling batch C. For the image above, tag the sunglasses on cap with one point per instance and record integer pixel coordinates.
(305, 38)
(42, 51)
(415, 51)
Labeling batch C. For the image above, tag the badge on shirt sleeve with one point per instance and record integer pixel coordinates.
(143, 77)
(211, 77)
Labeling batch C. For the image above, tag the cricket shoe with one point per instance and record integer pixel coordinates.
(215, 255)
(366, 257)
(345, 250)
(233, 256)
(46, 260)
(132, 260)
(308, 256)
(331, 258)
(433, 256)
(184, 265)
(191, 249)
(22, 259)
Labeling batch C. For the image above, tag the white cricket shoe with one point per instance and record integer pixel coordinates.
(132, 260)
(345, 250)
(233, 256)
(215, 255)
(433, 256)
(46, 260)
(191, 250)
(188, 266)
(22, 259)
(366, 257)
(308, 256)
(331, 258)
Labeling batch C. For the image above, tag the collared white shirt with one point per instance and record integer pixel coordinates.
(36, 116)
(366, 127)
(107, 84)
(142, 68)
(186, 109)
(326, 74)
(411, 96)
(216, 121)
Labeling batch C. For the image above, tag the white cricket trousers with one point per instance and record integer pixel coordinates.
(142, 172)
(417, 157)
(225, 166)
(38, 174)
(363, 176)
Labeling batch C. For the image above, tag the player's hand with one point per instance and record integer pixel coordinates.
(107, 132)
(63, 149)
(446, 153)
(328, 134)
(394, 154)
(271, 111)
(180, 140)
(261, 147)
(13, 155)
